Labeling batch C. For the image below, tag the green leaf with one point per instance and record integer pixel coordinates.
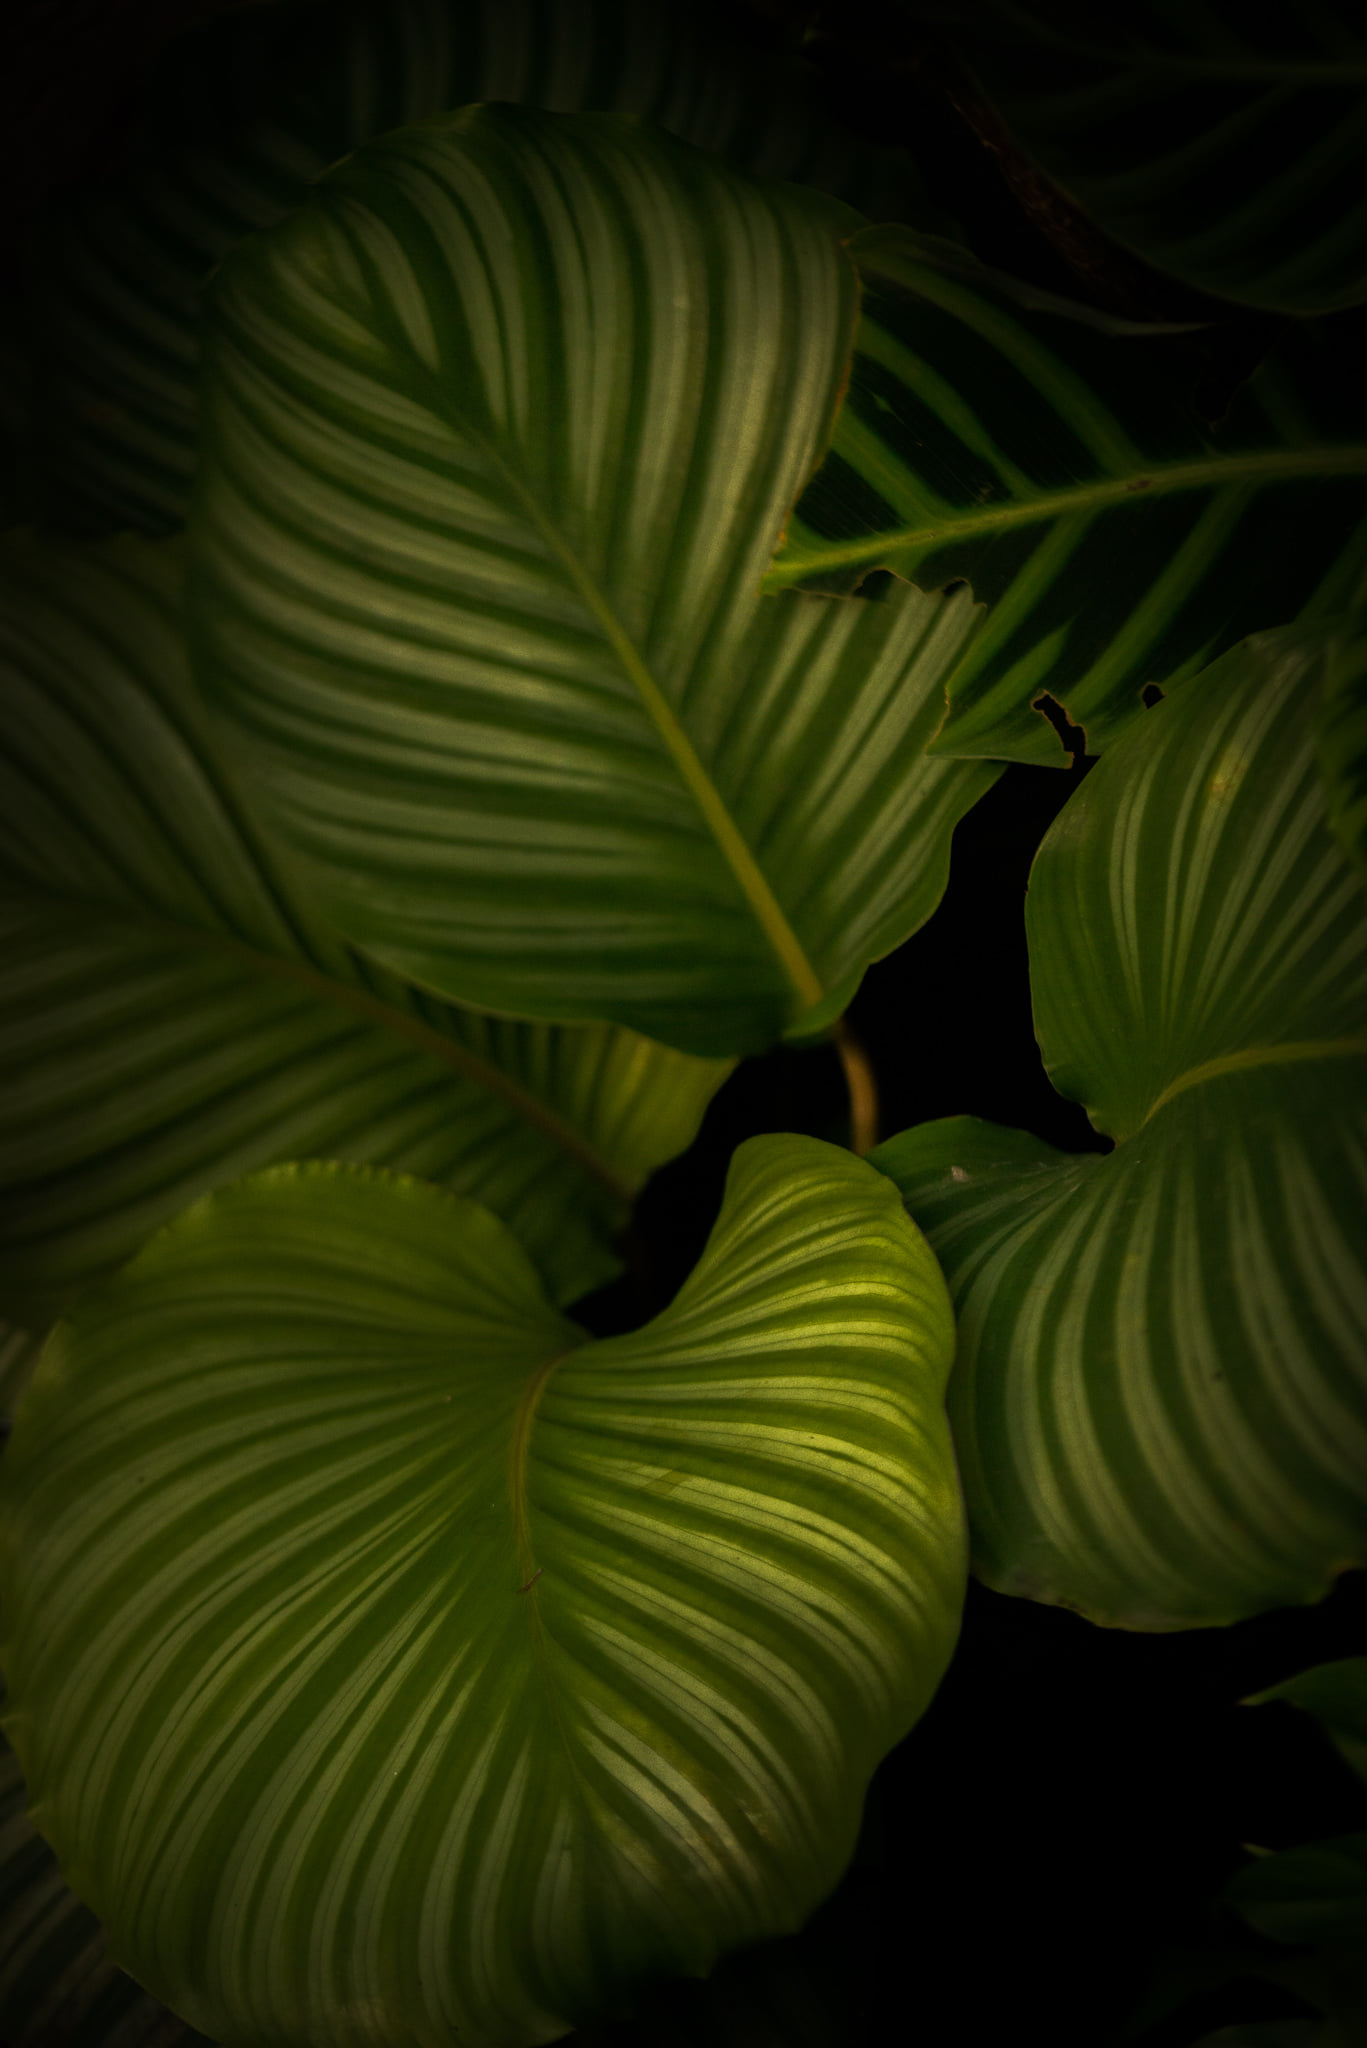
(1314, 1893)
(1336, 1694)
(245, 114)
(1223, 144)
(173, 1013)
(57, 1987)
(1160, 1399)
(1343, 744)
(500, 430)
(391, 1662)
(18, 1355)
(1052, 457)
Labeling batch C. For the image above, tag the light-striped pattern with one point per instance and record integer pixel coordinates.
(247, 113)
(500, 431)
(173, 1014)
(392, 1664)
(1224, 143)
(1343, 744)
(58, 1988)
(1160, 1400)
(1054, 460)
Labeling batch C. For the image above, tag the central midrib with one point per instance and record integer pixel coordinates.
(1292, 1051)
(1159, 481)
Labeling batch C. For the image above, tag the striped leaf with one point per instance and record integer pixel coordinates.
(1053, 459)
(499, 432)
(58, 1988)
(1343, 744)
(248, 112)
(173, 1014)
(1223, 143)
(1160, 1402)
(392, 1663)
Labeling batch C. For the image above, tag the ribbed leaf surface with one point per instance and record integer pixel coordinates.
(1224, 143)
(1054, 460)
(247, 113)
(500, 431)
(1343, 744)
(1160, 1401)
(58, 1988)
(391, 1663)
(173, 1014)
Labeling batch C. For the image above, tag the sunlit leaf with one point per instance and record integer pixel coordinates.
(1160, 1401)
(391, 1662)
(242, 116)
(1224, 143)
(500, 431)
(1053, 458)
(173, 1014)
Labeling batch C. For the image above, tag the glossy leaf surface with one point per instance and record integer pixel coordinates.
(244, 114)
(390, 1662)
(1053, 459)
(500, 431)
(1224, 144)
(173, 1013)
(1160, 1401)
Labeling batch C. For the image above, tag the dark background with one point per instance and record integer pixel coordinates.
(1074, 1798)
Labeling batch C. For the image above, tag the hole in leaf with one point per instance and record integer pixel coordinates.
(1150, 695)
(1072, 736)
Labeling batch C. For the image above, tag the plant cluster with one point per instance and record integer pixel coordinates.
(531, 538)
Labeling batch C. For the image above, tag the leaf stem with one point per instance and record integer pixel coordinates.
(863, 1089)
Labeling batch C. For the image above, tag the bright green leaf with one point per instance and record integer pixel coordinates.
(244, 114)
(1160, 1401)
(391, 1662)
(172, 1014)
(1336, 1694)
(1052, 458)
(1224, 143)
(500, 431)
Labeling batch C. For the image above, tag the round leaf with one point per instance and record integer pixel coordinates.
(500, 431)
(173, 1013)
(1160, 1399)
(390, 1662)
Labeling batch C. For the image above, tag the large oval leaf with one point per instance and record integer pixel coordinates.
(391, 1663)
(500, 431)
(244, 115)
(1225, 144)
(173, 1013)
(1053, 458)
(1160, 1401)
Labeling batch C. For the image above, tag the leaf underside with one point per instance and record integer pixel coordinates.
(173, 1014)
(1054, 460)
(1160, 1403)
(499, 433)
(391, 1662)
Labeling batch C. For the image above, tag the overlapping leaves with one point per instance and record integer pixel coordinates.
(1054, 460)
(391, 1662)
(242, 117)
(173, 1013)
(1160, 1402)
(499, 434)
(1223, 143)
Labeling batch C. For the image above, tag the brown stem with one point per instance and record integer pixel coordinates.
(863, 1089)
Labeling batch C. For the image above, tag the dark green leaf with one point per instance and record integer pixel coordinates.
(1224, 143)
(499, 433)
(1053, 459)
(173, 1014)
(1343, 744)
(1313, 1894)
(1336, 1694)
(1160, 1400)
(390, 1662)
(247, 113)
